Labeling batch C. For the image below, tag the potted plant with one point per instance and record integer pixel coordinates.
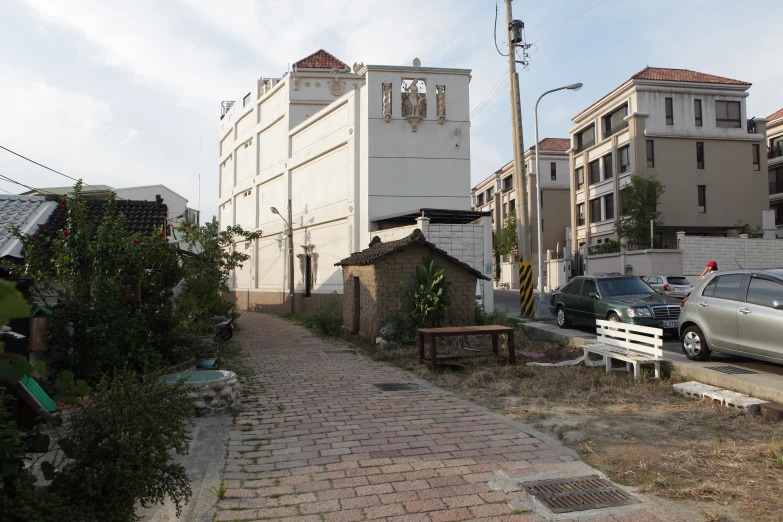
(205, 343)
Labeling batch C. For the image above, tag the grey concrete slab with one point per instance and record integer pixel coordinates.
(204, 463)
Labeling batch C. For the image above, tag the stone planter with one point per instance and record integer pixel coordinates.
(211, 390)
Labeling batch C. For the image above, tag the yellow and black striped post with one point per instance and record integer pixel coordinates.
(526, 308)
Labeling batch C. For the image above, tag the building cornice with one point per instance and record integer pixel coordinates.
(703, 136)
(413, 71)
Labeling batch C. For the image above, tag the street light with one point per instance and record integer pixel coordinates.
(572, 87)
(290, 255)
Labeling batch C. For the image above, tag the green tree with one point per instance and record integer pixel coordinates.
(84, 266)
(639, 206)
(506, 238)
(207, 272)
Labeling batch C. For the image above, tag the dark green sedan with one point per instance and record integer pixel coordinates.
(626, 299)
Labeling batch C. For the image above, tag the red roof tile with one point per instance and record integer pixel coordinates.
(320, 60)
(553, 144)
(669, 75)
(775, 115)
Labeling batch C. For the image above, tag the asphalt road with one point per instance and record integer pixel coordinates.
(508, 301)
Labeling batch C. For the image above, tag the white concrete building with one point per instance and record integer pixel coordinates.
(775, 166)
(496, 194)
(354, 151)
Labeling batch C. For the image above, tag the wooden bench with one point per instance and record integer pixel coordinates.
(463, 331)
(633, 344)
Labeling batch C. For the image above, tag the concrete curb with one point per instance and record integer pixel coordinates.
(689, 371)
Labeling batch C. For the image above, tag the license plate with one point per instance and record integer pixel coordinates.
(668, 324)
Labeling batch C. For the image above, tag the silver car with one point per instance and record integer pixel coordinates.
(738, 312)
(675, 286)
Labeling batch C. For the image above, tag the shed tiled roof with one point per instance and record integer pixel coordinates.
(775, 115)
(144, 217)
(662, 74)
(320, 60)
(553, 144)
(379, 251)
(24, 212)
(61, 191)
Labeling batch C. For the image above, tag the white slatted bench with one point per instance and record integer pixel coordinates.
(636, 345)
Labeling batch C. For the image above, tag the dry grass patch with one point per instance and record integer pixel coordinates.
(641, 433)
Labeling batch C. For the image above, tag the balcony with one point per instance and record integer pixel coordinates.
(614, 130)
(775, 152)
(583, 146)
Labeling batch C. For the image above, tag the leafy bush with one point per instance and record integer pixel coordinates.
(496, 317)
(113, 451)
(326, 318)
(399, 329)
(429, 296)
(753, 232)
(610, 246)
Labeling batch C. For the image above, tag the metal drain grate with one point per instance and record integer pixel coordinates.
(731, 370)
(578, 494)
(337, 351)
(398, 386)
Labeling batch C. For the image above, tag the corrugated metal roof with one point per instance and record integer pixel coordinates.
(24, 212)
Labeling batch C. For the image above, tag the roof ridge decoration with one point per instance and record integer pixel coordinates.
(379, 250)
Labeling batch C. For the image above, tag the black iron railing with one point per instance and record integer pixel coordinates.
(584, 146)
(614, 130)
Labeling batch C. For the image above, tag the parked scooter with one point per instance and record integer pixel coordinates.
(224, 325)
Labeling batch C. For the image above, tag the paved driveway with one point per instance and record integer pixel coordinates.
(318, 440)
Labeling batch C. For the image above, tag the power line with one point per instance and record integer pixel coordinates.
(28, 187)
(496, 31)
(4, 190)
(568, 22)
(491, 94)
(48, 168)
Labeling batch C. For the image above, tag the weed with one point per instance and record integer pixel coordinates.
(717, 447)
(326, 318)
(274, 495)
(281, 407)
(219, 491)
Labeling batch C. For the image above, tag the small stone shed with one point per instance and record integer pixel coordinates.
(372, 278)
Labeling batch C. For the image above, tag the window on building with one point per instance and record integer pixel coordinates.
(580, 177)
(542, 224)
(480, 200)
(505, 210)
(775, 181)
(650, 154)
(776, 147)
(615, 121)
(697, 112)
(595, 171)
(699, 154)
(778, 208)
(507, 183)
(246, 100)
(580, 214)
(553, 171)
(609, 206)
(622, 203)
(541, 197)
(490, 192)
(595, 210)
(727, 114)
(756, 157)
(608, 167)
(702, 199)
(625, 159)
(585, 138)
(669, 111)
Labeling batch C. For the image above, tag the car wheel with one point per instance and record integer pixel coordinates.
(694, 346)
(613, 317)
(562, 319)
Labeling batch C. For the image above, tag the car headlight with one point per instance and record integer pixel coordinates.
(639, 312)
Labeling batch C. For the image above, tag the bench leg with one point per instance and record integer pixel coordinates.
(433, 353)
(628, 367)
(636, 370)
(608, 362)
(421, 348)
(657, 370)
(495, 344)
(512, 356)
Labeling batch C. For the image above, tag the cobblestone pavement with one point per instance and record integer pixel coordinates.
(316, 440)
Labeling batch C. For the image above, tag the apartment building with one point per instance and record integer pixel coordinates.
(356, 152)
(775, 167)
(497, 194)
(688, 129)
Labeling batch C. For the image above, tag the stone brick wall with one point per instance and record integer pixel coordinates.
(382, 294)
(730, 253)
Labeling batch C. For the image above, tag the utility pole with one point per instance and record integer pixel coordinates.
(513, 35)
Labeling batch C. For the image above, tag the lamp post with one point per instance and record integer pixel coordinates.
(572, 87)
(290, 256)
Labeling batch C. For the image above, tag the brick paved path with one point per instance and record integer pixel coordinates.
(318, 441)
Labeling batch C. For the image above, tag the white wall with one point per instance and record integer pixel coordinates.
(729, 253)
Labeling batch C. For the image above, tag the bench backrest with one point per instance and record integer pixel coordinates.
(633, 337)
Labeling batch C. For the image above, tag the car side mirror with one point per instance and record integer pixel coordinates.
(593, 295)
(777, 304)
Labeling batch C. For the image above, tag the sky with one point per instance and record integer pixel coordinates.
(128, 93)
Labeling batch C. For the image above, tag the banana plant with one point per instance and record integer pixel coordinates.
(429, 296)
